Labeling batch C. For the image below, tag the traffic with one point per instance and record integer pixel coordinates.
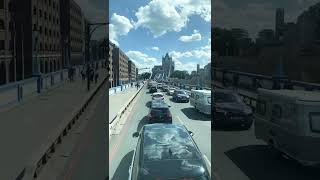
(168, 143)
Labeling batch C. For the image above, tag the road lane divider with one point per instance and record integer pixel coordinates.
(115, 121)
(41, 157)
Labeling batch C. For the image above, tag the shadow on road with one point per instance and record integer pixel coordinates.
(193, 114)
(122, 171)
(259, 162)
(142, 122)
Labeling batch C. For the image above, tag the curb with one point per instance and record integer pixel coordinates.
(40, 158)
(118, 116)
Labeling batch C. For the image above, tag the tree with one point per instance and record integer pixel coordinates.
(180, 74)
(145, 75)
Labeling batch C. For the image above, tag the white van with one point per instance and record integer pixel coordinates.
(201, 100)
(289, 121)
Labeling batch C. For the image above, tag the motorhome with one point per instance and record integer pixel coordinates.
(289, 121)
(201, 100)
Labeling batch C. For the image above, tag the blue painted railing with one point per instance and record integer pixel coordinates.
(15, 92)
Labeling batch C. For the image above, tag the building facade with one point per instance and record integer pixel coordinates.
(111, 65)
(6, 61)
(46, 35)
(120, 61)
(132, 71)
(72, 33)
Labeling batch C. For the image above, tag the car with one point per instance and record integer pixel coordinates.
(180, 96)
(159, 112)
(167, 151)
(230, 110)
(153, 89)
(164, 88)
(159, 85)
(157, 96)
(171, 91)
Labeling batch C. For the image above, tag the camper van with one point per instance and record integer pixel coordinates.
(289, 121)
(201, 100)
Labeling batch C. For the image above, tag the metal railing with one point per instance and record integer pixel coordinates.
(42, 156)
(246, 80)
(13, 93)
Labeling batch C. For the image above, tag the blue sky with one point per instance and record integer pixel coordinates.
(147, 29)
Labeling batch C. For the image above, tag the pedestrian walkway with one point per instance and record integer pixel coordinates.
(26, 127)
(117, 101)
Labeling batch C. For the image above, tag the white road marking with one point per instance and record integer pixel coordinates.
(180, 120)
(205, 157)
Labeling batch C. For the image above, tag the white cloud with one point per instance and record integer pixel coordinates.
(155, 48)
(201, 55)
(142, 60)
(119, 26)
(162, 16)
(196, 36)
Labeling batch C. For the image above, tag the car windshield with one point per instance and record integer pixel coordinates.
(181, 92)
(158, 95)
(162, 143)
(221, 97)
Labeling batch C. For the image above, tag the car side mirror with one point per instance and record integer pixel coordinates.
(191, 133)
(136, 134)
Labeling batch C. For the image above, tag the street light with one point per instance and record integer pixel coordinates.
(89, 33)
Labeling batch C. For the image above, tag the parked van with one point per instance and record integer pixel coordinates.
(289, 121)
(201, 100)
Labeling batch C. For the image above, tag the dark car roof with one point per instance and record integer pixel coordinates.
(169, 152)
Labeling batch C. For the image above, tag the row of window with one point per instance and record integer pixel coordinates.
(46, 31)
(50, 3)
(46, 16)
(49, 47)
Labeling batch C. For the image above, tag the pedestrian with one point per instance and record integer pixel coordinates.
(91, 74)
(96, 76)
(83, 75)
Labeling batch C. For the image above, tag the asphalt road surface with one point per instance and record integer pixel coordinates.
(121, 146)
(89, 159)
(238, 155)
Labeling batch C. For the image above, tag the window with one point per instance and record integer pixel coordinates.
(11, 44)
(2, 27)
(261, 107)
(34, 11)
(276, 113)
(1, 45)
(40, 29)
(40, 13)
(314, 119)
(1, 4)
(34, 27)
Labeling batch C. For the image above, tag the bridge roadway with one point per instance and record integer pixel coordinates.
(121, 145)
(237, 154)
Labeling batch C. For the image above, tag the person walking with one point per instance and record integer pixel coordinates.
(96, 76)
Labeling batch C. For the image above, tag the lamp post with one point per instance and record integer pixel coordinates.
(35, 61)
(89, 33)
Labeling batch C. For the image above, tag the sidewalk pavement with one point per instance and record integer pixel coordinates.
(117, 101)
(26, 127)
